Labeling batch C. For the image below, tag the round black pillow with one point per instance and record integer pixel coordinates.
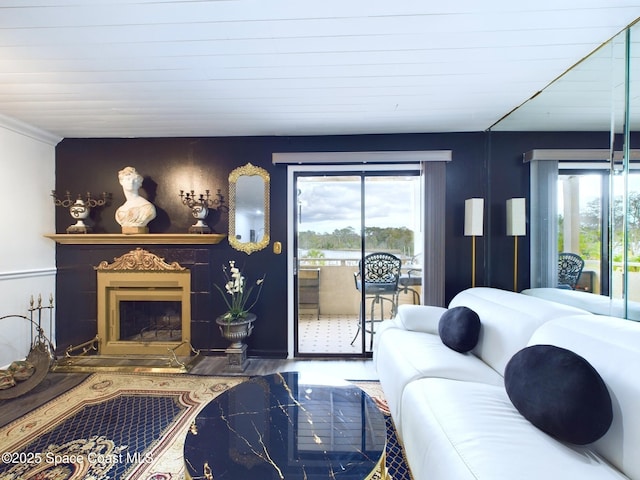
(459, 329)
(560, 393)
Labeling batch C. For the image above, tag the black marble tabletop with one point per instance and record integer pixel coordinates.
(287, 426)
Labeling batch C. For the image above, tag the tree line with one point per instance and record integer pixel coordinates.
(591, 229)
(388, 239)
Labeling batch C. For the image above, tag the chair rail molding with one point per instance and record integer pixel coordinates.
(31, 273)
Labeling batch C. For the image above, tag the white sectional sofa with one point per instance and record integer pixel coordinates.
(591, 302)
(452, 410)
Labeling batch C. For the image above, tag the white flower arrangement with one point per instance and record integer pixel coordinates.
(236, 295)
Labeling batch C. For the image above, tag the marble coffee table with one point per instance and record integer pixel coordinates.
(288, 426)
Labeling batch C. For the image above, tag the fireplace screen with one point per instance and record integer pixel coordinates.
(148, 320)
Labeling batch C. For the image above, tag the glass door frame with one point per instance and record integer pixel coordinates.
(292, 172)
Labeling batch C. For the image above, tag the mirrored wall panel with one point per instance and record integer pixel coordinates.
(585, 202)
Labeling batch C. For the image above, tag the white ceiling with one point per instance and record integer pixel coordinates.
(149, 68)
(591, 96)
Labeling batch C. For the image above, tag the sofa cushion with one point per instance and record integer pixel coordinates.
(560, 393)
(403, 356)
(612, 346)
(459, 329)
(414, 318)
(471, 431)
(508, 320)
(420, 318)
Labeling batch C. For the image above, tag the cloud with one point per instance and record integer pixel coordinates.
(328, 203)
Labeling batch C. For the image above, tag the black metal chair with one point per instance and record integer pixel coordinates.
(381, 273)
(406, 284)
(570, 267)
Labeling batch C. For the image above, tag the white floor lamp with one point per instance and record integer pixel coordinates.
(516, 227)
(473, 223)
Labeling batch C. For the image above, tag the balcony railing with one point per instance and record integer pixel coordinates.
(338, 293)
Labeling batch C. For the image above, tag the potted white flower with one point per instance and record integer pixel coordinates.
(237, 323)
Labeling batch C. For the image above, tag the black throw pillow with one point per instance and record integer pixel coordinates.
(560, 393)
(459, 329)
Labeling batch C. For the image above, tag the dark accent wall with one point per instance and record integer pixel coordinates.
(484, 164)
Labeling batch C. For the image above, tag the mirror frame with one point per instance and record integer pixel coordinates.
(234, 176)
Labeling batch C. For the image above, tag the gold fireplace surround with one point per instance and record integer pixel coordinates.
(141, 276)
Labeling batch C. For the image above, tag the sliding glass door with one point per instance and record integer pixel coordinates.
(340, 218)
(599, 220)
(583, 214)
(625, 245)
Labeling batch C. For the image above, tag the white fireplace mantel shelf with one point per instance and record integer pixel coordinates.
(138, 239)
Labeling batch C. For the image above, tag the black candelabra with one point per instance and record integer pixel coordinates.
(80, 208)
(200, 206)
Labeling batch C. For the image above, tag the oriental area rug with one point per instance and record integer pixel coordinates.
(116, 426)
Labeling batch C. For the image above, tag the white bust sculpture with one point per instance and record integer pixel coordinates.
(134, 214)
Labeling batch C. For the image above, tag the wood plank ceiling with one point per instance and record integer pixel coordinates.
(147, 68)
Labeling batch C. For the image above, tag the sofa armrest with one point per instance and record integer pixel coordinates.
(419, 318)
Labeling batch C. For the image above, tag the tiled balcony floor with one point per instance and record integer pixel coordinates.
(329, 334)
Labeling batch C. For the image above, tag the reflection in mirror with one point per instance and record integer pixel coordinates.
(249, 208)
(595, 194)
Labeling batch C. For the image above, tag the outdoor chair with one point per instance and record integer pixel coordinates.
(381, 272)
(407, 284)
(570, 268)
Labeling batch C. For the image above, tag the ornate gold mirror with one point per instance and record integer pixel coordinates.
(249, 208)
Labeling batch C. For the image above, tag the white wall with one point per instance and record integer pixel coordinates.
(27, 259)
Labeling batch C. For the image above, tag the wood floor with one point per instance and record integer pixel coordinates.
(57, 383)
(355, 369)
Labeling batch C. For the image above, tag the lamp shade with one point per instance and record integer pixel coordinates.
(516, 217)
(473, 216)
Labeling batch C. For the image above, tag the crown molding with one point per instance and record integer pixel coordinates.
(27, 130)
